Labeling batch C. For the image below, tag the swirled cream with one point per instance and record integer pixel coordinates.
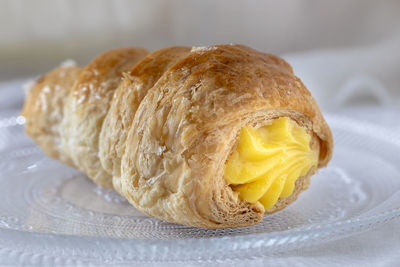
(268, 160)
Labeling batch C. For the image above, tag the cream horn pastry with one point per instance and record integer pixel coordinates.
(211, 137)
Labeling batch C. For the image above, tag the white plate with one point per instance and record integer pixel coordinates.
(50, 213)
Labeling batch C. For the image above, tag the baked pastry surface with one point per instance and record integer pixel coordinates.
(44, 110)
(87, 105)
(159, 127)
(127, 99)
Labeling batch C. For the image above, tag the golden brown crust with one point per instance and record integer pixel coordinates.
(173, 122)
(87, 106)
(126, 100)
(44, 110)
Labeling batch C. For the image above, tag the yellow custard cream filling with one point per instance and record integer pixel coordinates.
(268, 160)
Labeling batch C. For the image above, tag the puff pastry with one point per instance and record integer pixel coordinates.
(162, 128)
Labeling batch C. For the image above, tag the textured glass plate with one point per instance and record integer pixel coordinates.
(50, 213)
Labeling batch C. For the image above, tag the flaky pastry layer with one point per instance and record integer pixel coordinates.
(159, 127)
